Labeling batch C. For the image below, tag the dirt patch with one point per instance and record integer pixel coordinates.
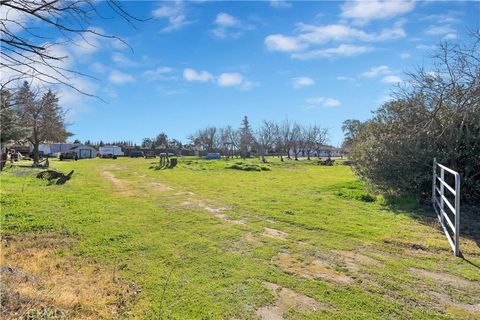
(445, 278)
(41, 280)
(274, 233)
(225, 217)
(245, 244)
(198, 203)
(158, 187)
(447, 302)
(354, 261)
(181, 193)
(285, 299)
(121, 184)
(310, 267)
(218, 212)
(211, 209)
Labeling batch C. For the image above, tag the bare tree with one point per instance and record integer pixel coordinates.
(320, 139)
(350, 128)
(266, 138)
(205, 139)
(285, 138)
(296, 141)
(310, 137)
(29, 52)
(233, 138)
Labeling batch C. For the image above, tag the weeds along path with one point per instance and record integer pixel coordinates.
(203, 241)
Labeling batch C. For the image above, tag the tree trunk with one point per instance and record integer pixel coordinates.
(3, 156)
(35, 153)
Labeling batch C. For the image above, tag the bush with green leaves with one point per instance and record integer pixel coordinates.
(436, 114)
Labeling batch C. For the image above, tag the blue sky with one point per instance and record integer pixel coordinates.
(202, 63)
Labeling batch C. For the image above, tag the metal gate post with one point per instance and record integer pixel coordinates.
(457, 215)
(434, 180)
(442, 203)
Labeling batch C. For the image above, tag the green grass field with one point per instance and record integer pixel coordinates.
(293, 240)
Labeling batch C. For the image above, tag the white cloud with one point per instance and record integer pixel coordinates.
(450, 36)
(426, 47)
(234, 79)
(364, 11)
(440, 30)
(311, 36)
(322, 101)
(160, 73)
(405, 55)
(278, 42)
(280, 4)
(341, 32)
(118, 77)
(392, 79)
(192, 75)
(300, 82)
(345, 78)
(87, 43)
(13, 20)
(448, 17)
(446, 31)
(122, 60)
(175, 13)
(376, 71)
(343, 50)
(230, 79)
(227, 26)
(384, 99)
(226, 79)
(225, 20)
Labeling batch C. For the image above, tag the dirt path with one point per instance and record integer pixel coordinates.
(285, 299)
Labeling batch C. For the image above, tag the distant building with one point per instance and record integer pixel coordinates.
(213, 156)
(324, 151)
(84, 152)
(54, 149)
(110, 150)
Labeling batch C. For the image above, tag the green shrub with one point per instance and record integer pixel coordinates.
(356, 195)
(248, 167)
(436, 116)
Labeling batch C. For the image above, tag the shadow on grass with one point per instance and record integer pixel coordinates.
(423, 211)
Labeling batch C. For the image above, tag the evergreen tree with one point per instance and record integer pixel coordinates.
(246, 138)
(10, 125)
(44, 118)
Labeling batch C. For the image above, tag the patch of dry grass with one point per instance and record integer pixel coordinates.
(41, 280)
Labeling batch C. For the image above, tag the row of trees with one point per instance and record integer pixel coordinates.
(32, 115)
(435, 115)
(162, 141)
(282, 138)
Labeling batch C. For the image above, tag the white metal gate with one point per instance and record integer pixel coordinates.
(439, 200)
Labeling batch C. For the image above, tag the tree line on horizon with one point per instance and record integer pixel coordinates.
(284, 138)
